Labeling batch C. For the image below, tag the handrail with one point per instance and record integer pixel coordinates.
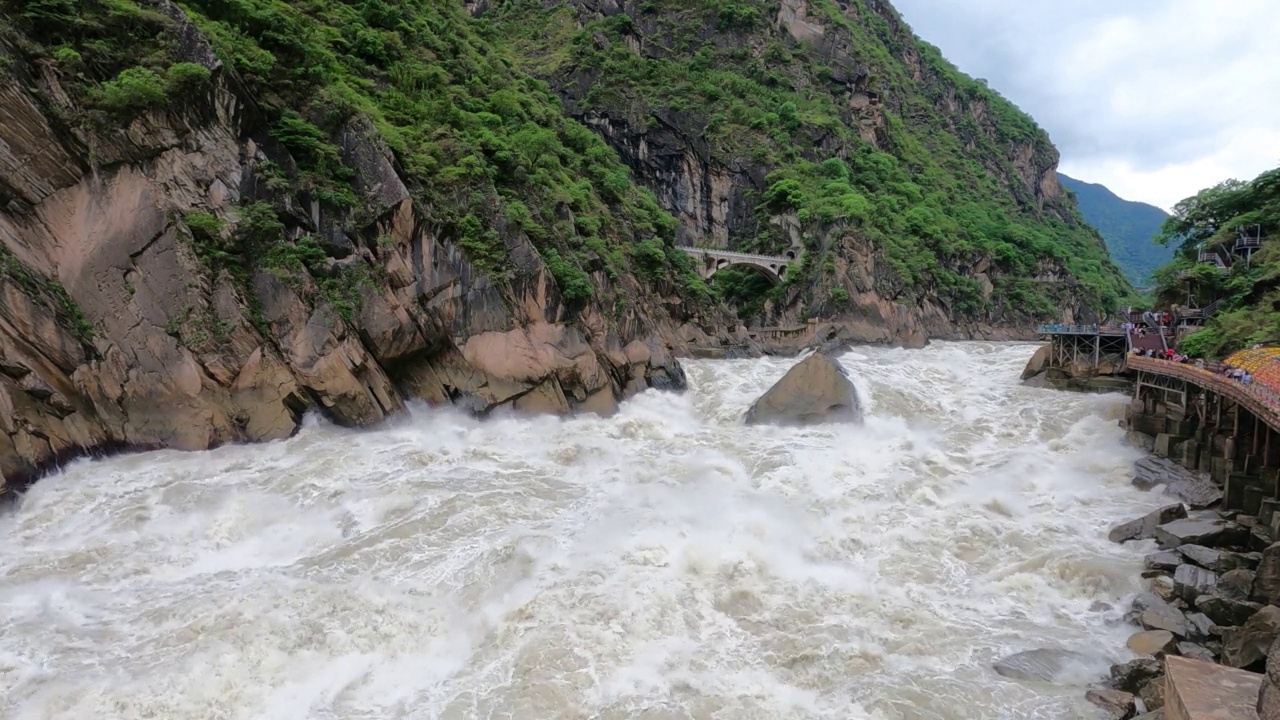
(1264, 398)
(1213, 258)
(1055, 329)
(731, 254)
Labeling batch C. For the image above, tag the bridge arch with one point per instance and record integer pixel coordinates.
(712, 261)
(774, 273)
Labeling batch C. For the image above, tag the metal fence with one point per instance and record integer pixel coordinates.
(1055, 329)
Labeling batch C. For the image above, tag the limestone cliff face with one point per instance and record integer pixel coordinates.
(115, 334)
(715, 189)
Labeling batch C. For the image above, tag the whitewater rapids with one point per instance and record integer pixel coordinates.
(665, 563)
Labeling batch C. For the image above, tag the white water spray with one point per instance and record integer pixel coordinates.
(665, 563)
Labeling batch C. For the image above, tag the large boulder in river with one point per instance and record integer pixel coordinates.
(816, 390)
(1037, 364)
(1064, 667)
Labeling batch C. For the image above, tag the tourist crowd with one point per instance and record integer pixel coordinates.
(1226, 370)
(1169, 355)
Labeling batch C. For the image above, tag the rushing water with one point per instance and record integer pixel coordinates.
(665, 563)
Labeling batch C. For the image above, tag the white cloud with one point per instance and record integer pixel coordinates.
(1154, 98)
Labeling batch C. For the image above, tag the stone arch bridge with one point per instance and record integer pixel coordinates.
(772, 267)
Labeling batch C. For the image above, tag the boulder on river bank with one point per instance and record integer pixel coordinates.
(1194, 488)
(816, 390)
(1145, 527)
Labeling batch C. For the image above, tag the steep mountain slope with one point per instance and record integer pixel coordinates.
(927, 204)
(215, 216)
(1128, 227)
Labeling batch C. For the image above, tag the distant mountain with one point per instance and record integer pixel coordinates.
(1127, 227)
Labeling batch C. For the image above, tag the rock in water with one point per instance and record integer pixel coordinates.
(1145, 526)
(1198, 531)
(1060, 666)
(1150, 642)
(816, 390)
(1191, 487)
(1133, 675)
(1119, 705)
(1037, 363)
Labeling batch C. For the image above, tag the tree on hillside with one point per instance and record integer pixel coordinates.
(1213, 215)
(1249, 291)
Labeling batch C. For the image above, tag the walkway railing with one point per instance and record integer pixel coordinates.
(1260, 398)
(1054, 329)
(775, 332)
(729, 254)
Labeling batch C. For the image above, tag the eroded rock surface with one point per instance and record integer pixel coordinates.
(115, 332)
(815, 390)
(1145, 526)
(1150, 642)
(1198, 531)
(1118, 704)
(1246, 645)
(1047, 664)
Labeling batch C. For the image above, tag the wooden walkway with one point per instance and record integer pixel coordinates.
(1262, 401)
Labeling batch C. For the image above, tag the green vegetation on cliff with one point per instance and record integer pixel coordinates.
(858, 129)
(1249, 292)
(860, 126)
(485, 146)
(1130, 228)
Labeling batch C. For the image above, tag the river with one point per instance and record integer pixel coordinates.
(665, 563)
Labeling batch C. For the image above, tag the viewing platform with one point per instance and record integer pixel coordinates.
(1104, 330)
(1083, 352)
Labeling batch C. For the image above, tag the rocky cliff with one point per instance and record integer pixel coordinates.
(217, 216)
(928, 205)
(174, 273)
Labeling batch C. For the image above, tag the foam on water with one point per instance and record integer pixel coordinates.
(665, 563)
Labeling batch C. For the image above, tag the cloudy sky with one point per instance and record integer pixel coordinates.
(1155, 99)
